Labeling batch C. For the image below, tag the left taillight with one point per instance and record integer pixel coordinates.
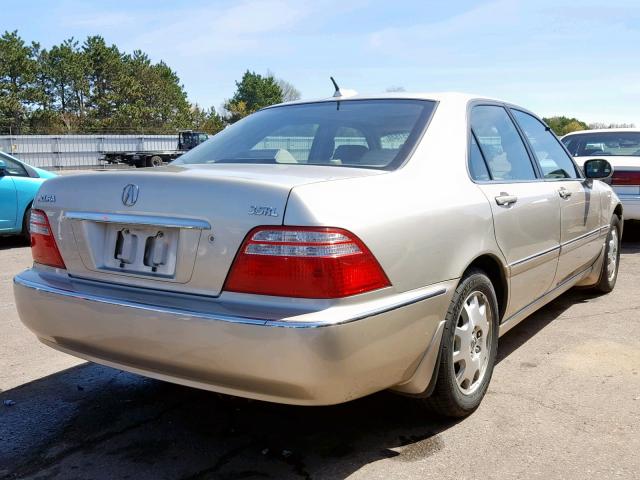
(304, 262)
(43, 243)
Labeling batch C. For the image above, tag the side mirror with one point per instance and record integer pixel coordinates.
(597, 168)
(3, 167)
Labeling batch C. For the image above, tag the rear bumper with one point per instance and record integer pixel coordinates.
(318, 358)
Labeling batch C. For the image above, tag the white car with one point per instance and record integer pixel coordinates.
(621, 146)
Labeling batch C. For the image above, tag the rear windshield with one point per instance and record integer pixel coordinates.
(603, 144)
(358, 133)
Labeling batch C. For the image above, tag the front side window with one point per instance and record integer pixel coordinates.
(347, 133)
(13, 168)
(607, 144)
(503, 149)
(553, 160)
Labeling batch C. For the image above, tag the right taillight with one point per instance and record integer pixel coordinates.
(625, 177)
(43, 244)
(305, 262)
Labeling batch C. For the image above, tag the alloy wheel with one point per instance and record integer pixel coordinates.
(472, 342)
(612, 257)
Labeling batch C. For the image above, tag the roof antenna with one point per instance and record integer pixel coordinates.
(342, 93)
(335, 85)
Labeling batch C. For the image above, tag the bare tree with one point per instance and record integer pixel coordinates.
(289, 92)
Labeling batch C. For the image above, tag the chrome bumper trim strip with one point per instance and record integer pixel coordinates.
(168, 222)
(365, 314)
(406, 301)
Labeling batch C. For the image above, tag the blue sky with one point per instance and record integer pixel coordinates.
(574, 57)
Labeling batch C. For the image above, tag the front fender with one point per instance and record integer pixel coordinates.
(610, 203)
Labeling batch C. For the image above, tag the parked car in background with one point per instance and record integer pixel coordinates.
(389, 248)
(621, 147)
(19, 183)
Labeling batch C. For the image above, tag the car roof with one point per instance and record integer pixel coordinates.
(434, 96)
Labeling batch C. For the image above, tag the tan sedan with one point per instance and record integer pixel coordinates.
(316, 252)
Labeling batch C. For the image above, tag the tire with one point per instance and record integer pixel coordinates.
(26, 234)
(154, 161)
(470, 338)
(611, 263)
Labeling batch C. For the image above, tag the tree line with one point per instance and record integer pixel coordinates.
(93, 87)
(562, 125)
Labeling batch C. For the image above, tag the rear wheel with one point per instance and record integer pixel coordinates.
(468, 349)
(609, 272)
(154, 161)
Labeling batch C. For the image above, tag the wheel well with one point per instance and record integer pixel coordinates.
(26, 209)
(618, 211)
(494, 270)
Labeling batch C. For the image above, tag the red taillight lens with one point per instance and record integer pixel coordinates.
(306, 262)
(625, 177)
(43, 244)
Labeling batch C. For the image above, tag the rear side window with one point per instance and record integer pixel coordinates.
(553, 160)
(477, 166)
(504, 152)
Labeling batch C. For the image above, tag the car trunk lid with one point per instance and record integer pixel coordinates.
(176, 228)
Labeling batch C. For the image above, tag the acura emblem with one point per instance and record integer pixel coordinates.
(130, 195)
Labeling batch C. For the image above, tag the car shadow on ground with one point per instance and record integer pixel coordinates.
(95, 422)
(70, 422)
(631, 237)
(13, 241)
(527, 329)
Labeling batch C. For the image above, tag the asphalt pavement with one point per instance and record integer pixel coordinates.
(564, 402)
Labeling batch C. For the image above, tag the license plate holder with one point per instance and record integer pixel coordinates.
(141, 250)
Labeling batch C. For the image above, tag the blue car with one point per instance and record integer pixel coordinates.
(19, 183)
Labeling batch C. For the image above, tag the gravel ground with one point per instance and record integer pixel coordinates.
(564, 402)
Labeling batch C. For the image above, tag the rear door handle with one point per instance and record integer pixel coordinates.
(504, 199)
(564, 193)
